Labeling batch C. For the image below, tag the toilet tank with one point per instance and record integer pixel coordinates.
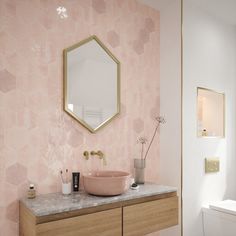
(219, 219)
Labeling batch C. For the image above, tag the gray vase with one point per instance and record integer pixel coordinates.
(139, 171)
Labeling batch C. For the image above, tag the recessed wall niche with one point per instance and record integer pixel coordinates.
(210, 113)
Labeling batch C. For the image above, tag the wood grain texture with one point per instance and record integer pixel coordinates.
(27, 222)
(104, 223)
(64, 215)
(148, 217)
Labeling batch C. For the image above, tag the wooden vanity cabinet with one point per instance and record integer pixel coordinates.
(105, 223)
(99, 223)
(128, 218)
(144, 218)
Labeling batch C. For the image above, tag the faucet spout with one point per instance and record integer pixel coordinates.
(101, 156)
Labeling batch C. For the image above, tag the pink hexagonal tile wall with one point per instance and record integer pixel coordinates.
(113, 38)
(75, 138)
(138, 125)
(16, 137)
(36, 137)
(99, 6)
(149, 24)
(7, 81)
(12, 211)
(16, 174)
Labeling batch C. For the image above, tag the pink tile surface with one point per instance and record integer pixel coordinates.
(7, 81)
(37, 138)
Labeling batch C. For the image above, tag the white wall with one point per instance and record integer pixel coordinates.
(170, 101)
(209, 61)
(170, 96)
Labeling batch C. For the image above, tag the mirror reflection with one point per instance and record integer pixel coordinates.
(210, 113)
(91, 83)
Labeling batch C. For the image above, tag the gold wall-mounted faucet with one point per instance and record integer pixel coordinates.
(99, 153)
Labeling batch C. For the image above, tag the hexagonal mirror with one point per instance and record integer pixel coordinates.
(91, 83)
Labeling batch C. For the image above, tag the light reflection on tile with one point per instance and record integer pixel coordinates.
(62, 12)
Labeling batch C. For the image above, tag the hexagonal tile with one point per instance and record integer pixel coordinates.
(9, 228)
(16, 174)
(14, 100)
(7, 81)
(8, 157)
(149, 24)
(10, 8)
(26, 118)
(2, 61)
(56, 137)
(38, 101)
(155, 111)
(40, 168)
(16, 137)
(123, 111)
(138, 125)
(12, 211)
(27, 155)
(2, 169)
(38, 140)
(99, 6)
(144, 35)
(138, 46)
(8, 118)
(8, 194)
(22, 190)
(113, 38)
(75, 138)
(2, 212)
(7, 41)
(1, 141)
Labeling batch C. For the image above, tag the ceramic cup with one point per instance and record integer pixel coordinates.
(66, 188)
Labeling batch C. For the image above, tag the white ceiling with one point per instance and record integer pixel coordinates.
(224, 9)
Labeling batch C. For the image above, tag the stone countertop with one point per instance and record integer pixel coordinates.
(54, 203)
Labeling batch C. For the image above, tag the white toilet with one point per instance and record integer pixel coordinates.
(219, 219)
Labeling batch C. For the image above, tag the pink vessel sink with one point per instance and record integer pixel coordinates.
(106, 183)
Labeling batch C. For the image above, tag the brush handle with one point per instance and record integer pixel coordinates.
(62, 179)
(67, 176)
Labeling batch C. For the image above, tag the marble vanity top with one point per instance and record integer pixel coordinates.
(54, 203)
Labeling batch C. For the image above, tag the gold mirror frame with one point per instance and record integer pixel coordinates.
(65, 51)
(223, 95)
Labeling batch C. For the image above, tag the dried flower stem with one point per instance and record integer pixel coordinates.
(150, 144)
(142, 151)
(160, 120)
(143, 141)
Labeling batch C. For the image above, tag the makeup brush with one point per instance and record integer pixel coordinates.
(61, 174)
(67, 176)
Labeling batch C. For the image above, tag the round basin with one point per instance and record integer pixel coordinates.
(106, 183)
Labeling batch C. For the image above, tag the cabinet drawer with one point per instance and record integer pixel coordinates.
(148, 217)
(104, 223)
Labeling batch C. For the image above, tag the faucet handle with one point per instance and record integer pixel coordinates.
(100, 154)
(86, 155)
